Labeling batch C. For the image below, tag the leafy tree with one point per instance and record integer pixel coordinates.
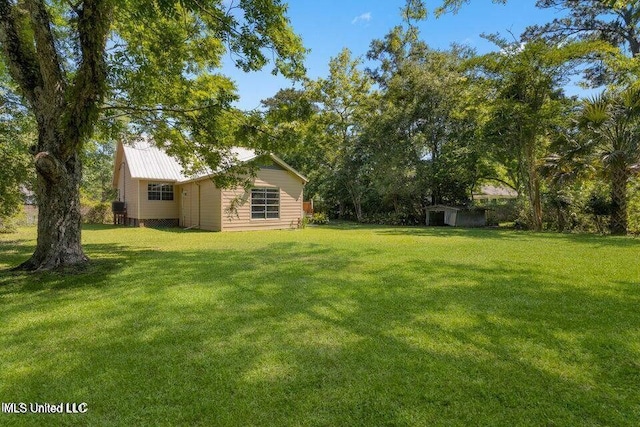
(395, 151)
(152, 62)
(17, 133)
(294, 125)
(616, 22)
(526, 106)
(344, 101)
(288, 126)
(425, 130)
(15, 178)
(611, 122)
(323, 125)
(426, 126)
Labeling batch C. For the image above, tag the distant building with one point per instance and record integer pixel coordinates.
(439, 215)
(494, 192)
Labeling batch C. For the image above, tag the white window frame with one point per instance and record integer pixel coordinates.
(162, 191)
(265, 202)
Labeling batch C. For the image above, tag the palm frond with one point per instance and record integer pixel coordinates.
(595, 111)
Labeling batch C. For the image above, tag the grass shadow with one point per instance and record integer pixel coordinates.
(493, 233)
(318, 332)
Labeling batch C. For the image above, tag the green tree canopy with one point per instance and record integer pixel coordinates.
(423, 132)
(526, 104)
(615, 22)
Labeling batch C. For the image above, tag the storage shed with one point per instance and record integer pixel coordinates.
(456, 216)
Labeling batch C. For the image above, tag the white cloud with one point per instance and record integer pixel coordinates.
(365, 17)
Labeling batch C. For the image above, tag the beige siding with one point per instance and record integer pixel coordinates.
(290, 203)
(184, 203)
(157, 209)
(189, 205)
(210, 207)
(195, 204)
(200, 205)
(128, 191)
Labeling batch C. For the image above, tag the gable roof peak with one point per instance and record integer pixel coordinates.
(147, 161)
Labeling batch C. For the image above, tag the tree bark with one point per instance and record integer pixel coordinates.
(536, 201)
(533, 186)
(619, 177)
(356, 199)
(59, 220)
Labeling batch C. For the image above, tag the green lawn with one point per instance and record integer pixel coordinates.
(340, 325)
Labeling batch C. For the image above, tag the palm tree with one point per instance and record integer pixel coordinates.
(611, 124)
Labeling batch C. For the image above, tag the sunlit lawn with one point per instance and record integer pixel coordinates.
(340, 325)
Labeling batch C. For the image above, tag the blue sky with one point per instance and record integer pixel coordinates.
(327, 26)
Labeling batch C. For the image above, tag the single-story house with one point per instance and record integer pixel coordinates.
(455, 217)
(494, 192)
(153, 191)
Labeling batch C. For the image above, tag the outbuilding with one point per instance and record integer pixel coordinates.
(439, 215)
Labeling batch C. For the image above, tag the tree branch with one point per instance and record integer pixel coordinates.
(157, 109)
(89, 85)
(74, 6)
(47, 56)
(20, 55)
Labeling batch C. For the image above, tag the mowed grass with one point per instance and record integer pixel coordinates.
(340, 325)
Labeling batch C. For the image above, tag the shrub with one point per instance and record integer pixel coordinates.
(599, 206)
(499, 211)
(97, 213)
(10, 223)
(319, 218)
(7, 225)
(405, 215)
(557, 208)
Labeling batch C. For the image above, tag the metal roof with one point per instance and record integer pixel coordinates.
(146, 161)
(488, 191)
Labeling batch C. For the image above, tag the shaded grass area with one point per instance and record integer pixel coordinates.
(341, 325)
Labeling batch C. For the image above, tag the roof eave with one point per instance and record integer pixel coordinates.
(198, 178)
(117, 165)
(273, 157)
(284, 164)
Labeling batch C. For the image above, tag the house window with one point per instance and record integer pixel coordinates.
(265, 203)
(160, 191)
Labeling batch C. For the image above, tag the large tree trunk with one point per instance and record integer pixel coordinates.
(65, 106)
(619, 177)
(59, 219)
